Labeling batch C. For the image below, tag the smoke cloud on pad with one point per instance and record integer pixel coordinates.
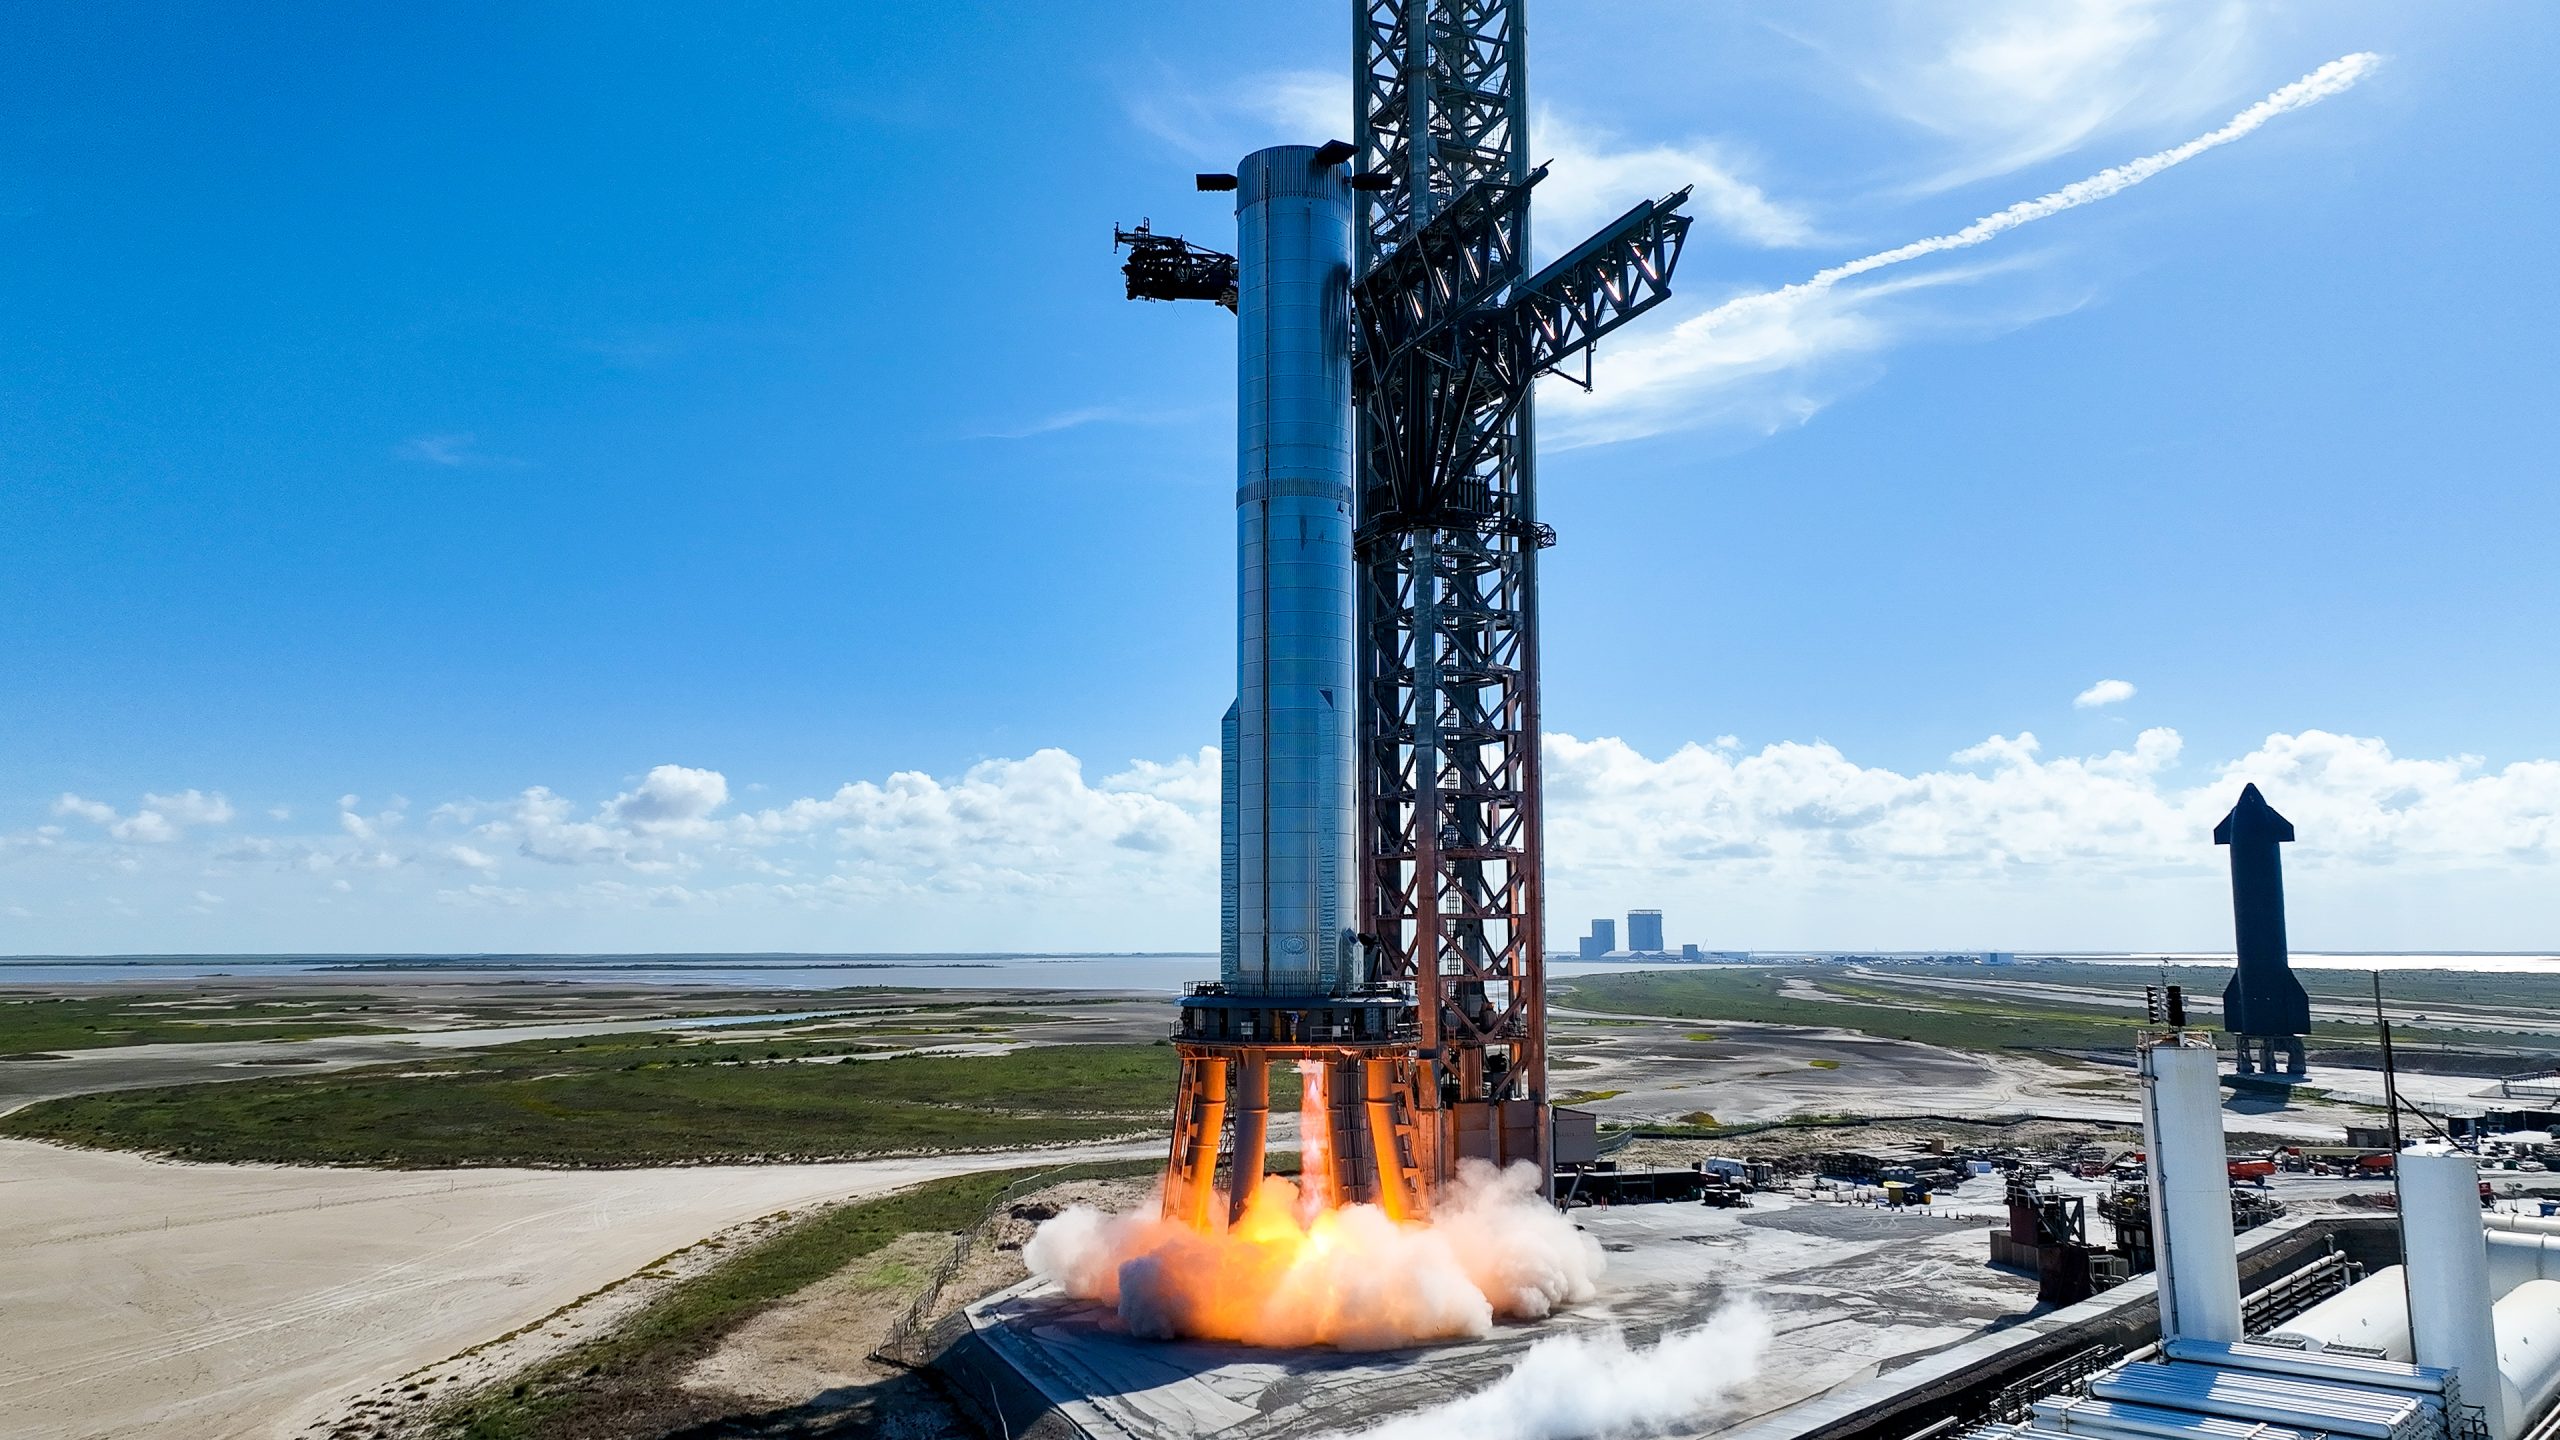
(1290, 1273)
(1594, 1386)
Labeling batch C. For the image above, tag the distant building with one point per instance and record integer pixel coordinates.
(1602, 939)
(1692, 954)
(1644, 932)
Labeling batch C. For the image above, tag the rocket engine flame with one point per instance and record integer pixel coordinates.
(1315, 1146)
(1292, 1273)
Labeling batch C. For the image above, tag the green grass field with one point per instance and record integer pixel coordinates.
(1760, 994)
(1989, 1019)
(43, 1026)
(636, 1100)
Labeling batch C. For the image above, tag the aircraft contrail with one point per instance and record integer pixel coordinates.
(1753, 333)
(2330, 79)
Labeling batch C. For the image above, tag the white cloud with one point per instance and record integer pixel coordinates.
(148, 827)
(1670, 381)
(1031, 825)
(458, 451)
(1244, 113)
(502, 896)
(1595, 176)
(2009, 83)
(1729, 835)
(470, 859)
(160, 819)
(1792, 842)
(670, 797)
(191, 807)
(94, 811)
(2105, 692)
(1083, 416)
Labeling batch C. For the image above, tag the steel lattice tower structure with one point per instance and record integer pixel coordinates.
(1451, 334)
(1433, 1042)
(1448, 551)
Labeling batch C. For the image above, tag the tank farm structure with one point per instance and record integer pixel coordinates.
(1383, 928)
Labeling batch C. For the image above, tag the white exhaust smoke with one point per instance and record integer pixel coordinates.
(1596, 1386)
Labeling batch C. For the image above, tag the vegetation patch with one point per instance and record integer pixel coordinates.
(640, 1099)
(34, 1026)
(1824, 1064)
(1773, 995)
(1587, 1097)
(628, 1381)
(2434, 1012)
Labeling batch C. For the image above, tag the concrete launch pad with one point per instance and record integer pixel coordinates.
(1851, 1291)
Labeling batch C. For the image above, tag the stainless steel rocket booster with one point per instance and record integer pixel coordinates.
(1291, 817)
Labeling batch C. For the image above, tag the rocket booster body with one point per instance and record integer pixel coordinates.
(1289, 810)
(2264, 1002)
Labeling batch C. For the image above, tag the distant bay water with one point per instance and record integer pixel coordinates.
(1158, 973)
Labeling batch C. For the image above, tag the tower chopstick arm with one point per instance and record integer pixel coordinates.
(1602, 283)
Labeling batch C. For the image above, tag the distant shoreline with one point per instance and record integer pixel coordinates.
(872, 960)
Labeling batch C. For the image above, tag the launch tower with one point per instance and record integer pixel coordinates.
(1384, 920)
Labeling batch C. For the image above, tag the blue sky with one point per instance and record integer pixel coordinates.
(549, 476)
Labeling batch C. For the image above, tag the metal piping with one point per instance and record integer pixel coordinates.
(2105, 1419)
(2340, 1369)
(2296, 1404)
(2515, 1258)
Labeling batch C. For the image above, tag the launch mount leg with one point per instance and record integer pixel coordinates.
(1253, 1128)
(1200, 1114)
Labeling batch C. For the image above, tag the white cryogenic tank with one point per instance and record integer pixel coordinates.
(2197, 1256)
(2372, 1314)
(1293, 877)
(2447, 1255)
(2528, 1326)
(2515, 1258)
